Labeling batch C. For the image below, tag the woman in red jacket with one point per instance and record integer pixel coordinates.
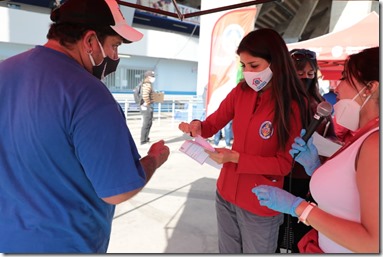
(268, 110)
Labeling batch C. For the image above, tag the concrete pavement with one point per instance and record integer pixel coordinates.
(175, 212)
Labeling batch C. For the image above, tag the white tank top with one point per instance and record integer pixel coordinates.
(333, 186)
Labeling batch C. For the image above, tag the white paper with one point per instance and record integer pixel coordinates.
(325, 146)
(213, 163)
(204, 143)
(196, 150)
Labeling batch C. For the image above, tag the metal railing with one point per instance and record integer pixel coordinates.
(182, 108)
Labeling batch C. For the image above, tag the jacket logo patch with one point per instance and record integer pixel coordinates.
(266, 130)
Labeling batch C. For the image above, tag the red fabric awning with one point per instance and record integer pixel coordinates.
(333, 48)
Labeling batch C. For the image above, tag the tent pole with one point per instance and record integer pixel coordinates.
(199, 13)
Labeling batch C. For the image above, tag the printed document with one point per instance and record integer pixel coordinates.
(325, 146)
(196, 150)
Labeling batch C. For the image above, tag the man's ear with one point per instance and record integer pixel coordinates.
(88, 40)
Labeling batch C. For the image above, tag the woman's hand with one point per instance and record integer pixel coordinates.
(223, 155)
(277, 199)
(305, 153)
(194, 128)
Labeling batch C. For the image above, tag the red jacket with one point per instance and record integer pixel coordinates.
(261, 159)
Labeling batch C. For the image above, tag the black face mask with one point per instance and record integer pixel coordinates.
(107, 66)
(306, 82)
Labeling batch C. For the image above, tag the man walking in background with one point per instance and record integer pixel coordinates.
(147, 108)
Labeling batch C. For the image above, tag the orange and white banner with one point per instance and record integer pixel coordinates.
(227, 33)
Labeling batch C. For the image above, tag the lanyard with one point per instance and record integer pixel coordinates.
(369, 126)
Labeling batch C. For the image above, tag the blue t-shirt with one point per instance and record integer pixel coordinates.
(64, 145)
(331, 98)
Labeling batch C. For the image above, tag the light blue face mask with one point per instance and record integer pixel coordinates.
(258, 80)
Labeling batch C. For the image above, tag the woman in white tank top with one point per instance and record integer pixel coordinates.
(346, 186)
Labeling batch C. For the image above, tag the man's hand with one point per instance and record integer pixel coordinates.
(160, 152)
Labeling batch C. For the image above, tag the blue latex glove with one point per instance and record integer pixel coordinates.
(308, 154)
(277, 199)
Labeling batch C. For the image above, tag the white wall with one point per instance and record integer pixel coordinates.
(162, 44)
(168, 80)
(171, 75)
(23, 27)
(346, 13)
(174, 56)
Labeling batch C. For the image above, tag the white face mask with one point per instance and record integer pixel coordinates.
(152, 79)
(258, 80)
(347, 112)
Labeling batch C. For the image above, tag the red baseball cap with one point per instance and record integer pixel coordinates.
(96, 12)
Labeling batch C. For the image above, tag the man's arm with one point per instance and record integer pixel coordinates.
(157, 155)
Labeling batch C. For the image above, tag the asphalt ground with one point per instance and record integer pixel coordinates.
(175, 212)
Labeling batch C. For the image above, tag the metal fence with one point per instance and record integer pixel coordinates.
(124, 79)
(180, 108)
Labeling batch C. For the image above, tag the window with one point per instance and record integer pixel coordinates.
(124, 79)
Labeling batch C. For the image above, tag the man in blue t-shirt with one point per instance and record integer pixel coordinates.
(67, 156)
(330, 96)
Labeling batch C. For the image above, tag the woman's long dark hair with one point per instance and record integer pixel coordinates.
(269, 45)
(363, 66)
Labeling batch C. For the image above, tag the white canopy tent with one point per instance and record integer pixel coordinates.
(333, 48)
